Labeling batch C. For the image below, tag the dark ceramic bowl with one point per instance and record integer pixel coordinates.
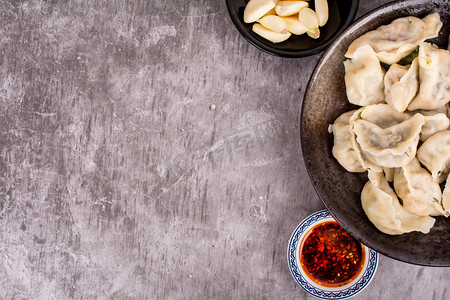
(340, 16)
(325, 99)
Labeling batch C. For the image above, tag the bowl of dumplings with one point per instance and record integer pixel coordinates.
(375, 131)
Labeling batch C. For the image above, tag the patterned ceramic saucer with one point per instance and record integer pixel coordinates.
(342, 292)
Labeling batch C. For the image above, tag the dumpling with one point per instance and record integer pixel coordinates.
(419, 193)
(434, 154)
(343, 149)
(383, 115)
(433, 124)
(435, 120)
(364, 78)
(401, 84)
(383, 209)
(365, 162)
(434, 77)
(389, 147)
(394, 41)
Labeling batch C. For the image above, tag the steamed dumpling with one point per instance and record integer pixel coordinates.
(415, 186)
(343, 149)
(434, 154)
(365, 162)
(435, 120)
(401, 84)
(434, 76)
(433, 123)
(383, 115)
(394, 41)
(389, 147)
(364, 78)
(383, 209)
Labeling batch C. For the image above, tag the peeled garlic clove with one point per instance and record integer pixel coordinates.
(322, 11)
(274, 23)
(289, 8)
(315, 34)
(274, 37)
(309, 18)
(294, 25)
(255, 9)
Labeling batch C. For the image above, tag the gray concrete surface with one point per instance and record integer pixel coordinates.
(148, 151)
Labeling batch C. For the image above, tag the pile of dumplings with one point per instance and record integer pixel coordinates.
(400, 135)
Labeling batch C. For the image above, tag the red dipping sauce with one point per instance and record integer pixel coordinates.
(330, 256)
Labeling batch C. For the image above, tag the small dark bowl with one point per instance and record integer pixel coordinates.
(340, 16)
(325, 99)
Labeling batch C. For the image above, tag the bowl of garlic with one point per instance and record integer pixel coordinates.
(291, 28)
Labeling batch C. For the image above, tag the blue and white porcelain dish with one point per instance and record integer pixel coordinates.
(314, 289)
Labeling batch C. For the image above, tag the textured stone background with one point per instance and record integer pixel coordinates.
(148, 151)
